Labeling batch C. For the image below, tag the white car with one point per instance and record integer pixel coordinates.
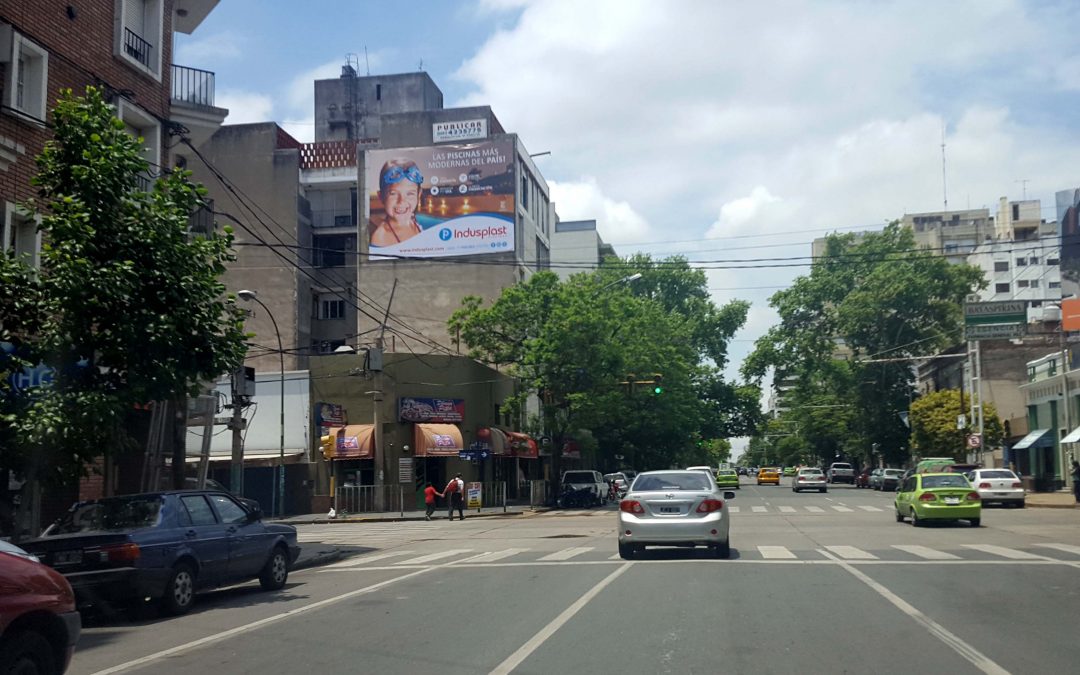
(809, 479)
(586, 480)
(997, 485)
(674, 508)
(706, 469)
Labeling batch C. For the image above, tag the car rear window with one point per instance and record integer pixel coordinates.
(894, 472)
(579, 477)
(725, 472)
(672, 481)
(841, 466)
(121, 513)
(997, 474)
(944, 481)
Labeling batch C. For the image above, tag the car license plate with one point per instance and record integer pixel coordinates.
(952, 500)
(67, 557)
(1001, 494)
(669, 509)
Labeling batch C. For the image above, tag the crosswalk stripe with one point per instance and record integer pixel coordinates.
(787, 509)
(869, 508)
(842, 509)
(775, 553)
(1066, 548)
(758, 509)
(1004, 552)
(364, 559)
(733, 509)
(851, 553)
(434, 556)
(492, 556)
(925, 553)
(815, 509)
(616, 556)
(567, 553)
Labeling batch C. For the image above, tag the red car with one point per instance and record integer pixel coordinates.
(38, 622)
(863, 479)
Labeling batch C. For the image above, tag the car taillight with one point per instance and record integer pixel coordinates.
(710, 505)
(631, 506)
(984, 485)
(1018, 484)
(973, 497)
(127, 552)
(928, 497)
(802, 477)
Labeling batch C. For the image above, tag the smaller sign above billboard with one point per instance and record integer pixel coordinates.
(441, 410)
(1001, 311)
(465, 130)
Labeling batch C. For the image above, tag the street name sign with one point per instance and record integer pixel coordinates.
(995, 331)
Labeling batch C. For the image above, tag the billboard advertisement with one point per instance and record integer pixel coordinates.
(1068, 216)
(440, 201)
(442, 410)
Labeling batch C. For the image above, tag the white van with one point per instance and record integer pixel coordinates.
(581, 480)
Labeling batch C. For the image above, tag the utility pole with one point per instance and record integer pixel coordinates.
(1064, 394)
(237, 425)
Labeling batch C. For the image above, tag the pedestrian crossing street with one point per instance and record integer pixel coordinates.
(1052, 553)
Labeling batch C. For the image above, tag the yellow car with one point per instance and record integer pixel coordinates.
(768, 475)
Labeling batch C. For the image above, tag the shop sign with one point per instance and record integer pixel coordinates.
(440, 410)
(330, 415)
(473, 490)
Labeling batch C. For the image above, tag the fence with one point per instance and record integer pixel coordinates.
(492, 495)
(193, 85)
(538, 493)
(368, 499)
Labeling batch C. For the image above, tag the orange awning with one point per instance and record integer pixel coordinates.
(356, 441)
(522, 445)
(438, 440)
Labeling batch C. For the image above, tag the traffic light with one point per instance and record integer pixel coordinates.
(327, 444)
(658, 384)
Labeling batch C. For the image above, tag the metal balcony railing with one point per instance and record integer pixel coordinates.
(192, 85)
(137, 48)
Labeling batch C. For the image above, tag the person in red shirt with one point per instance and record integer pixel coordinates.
(429, 499)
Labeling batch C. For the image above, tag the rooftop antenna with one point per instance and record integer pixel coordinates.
(944, 184)
(367, 64)
(421, 64)
(351, 65)
(1023, 184)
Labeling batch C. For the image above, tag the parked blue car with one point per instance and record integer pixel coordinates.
(165, 546)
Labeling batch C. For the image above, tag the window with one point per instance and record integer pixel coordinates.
(1034, 260)
(26, 76)
(524, 191)
(1016, 212)
(1001, 288)
(1034, 283)
(1021, 262)
(141, 124)
(1001, 266)
(1052, 261)
(378, 92)
(199, 510)
(21, 236)
(229, 510)
(331, 249)
(1023, 283)
(331, 308)
(1054, 284)
(138, 40)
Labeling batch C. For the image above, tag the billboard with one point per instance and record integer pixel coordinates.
(444, 410)
(1068, 216)
(465, 130)
(440, 201)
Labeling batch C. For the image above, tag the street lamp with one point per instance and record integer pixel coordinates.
(252, 296)
(625, 280)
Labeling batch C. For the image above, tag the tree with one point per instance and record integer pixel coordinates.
(129, 308)
(933, 425)
(873, 302)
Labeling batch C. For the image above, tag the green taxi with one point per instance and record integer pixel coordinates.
(727, 478)
(789, 471)
(937, 496)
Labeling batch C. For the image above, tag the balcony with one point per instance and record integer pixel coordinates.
(137, 48)
(193, 86)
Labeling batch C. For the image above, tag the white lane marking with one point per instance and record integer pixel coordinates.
(533, 643)
(775, 553)
(851, 553)
(434, 556)
(925, 553)
(815, 509)
(209, 639)
(869, 508)
(567, 553)
(492, 556)
(1066, 548)
(364, 559)
(616, 556)
(973, 656)
(1010, 553)
(787, 509)
(733, 509)
(842, 509)
(758, 509)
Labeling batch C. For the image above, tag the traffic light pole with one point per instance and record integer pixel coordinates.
(236, 424)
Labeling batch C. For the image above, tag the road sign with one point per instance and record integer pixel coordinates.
(974, 441)
(995, 331)
(1001, 311)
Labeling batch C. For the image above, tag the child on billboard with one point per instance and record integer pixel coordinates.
(399, 190)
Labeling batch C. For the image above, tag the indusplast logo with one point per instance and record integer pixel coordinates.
(446, 234)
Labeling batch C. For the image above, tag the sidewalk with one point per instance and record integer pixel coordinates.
(1062, 499)
(397, 516)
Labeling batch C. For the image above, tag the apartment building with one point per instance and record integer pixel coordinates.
(576, 246)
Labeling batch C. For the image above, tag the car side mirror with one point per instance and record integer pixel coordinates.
(728, 494)
(254, 515)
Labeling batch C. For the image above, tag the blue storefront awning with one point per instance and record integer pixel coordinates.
(1036, 439)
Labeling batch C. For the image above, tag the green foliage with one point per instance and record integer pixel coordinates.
(933, 425)
(126, 307)
(574, 342)
(872, 297)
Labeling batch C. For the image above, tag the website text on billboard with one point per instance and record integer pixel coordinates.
(440, 201)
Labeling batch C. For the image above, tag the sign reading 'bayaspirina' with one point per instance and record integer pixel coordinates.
(994, 309)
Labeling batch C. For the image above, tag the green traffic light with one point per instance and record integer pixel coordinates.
(658, 390)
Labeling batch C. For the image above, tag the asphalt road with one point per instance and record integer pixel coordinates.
(816, 583)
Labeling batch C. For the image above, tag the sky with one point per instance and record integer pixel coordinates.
(722, 131)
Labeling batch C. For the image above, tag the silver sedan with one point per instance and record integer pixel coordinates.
(809, 479)
(674, 508)
(998, 485)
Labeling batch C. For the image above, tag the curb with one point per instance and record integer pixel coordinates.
(321, 558)
(389, 519)
(1031, 505)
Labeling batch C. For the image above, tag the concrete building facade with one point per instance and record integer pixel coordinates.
(576, 246)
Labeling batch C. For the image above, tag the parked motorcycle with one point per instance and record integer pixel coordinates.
(576, 499)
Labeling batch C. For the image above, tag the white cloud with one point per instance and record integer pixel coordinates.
(756, 211)
(245, 106)
(302, 130)
(616, 221)
(206, 50)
